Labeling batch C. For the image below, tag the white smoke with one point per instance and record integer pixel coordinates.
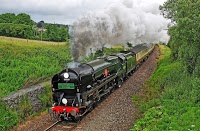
(134, 21)
(73, 64)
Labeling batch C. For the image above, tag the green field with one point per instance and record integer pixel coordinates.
(171, 101)
(25, 62)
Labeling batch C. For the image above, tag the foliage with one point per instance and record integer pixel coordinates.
(177, 107)
(113, 50)
(23, 19)
(15, 30)
(25, 62)
(105, 51)
(55, 33)
(21, 26)
(129, 44)
(7, 18)
(8, 118)
(46, 96)
(50, 32)
(184, 34)
(25, 108)
(40, 24)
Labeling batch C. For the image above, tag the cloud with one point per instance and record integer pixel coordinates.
(52, 10)
(59, 11)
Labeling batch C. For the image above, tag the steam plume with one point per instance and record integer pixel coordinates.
(133, 21)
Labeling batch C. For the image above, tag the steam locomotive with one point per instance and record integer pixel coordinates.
(77, 90)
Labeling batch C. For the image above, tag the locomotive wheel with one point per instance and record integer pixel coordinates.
(53, 114)
(61, 118)
(113, 89)
(76, 119)
(119, 83)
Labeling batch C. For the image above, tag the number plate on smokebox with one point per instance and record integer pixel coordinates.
(66, 86)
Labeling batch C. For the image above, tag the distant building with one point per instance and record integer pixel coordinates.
(41, 29)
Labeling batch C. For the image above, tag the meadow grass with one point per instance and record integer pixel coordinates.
(23, 63)
(171, 101)
(28, 41)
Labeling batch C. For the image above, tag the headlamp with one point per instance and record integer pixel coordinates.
(66, 75)
(64, 101)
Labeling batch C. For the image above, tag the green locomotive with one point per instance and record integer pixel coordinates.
(77, 90)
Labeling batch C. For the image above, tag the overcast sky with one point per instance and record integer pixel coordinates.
(57, 11)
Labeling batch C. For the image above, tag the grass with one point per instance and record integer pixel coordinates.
(32, 42)
(46, 96)
(171, 101)
(8, 118)
(23, 63)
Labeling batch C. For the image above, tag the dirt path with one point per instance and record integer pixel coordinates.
(114, 113)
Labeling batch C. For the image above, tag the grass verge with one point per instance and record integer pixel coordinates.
(171, 100)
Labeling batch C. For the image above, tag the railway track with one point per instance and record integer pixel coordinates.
(52, 125)
(67, 125)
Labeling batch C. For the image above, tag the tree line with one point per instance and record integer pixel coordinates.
(21, 26)
(184, 32)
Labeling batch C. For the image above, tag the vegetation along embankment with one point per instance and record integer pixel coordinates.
(171, 99)
(23, 63)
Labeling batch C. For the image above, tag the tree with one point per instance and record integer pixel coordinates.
(23, 19)
(7, 18)
(129, 44)
(56, 33)
(40, 24)
(185, 33)
(22, 26)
